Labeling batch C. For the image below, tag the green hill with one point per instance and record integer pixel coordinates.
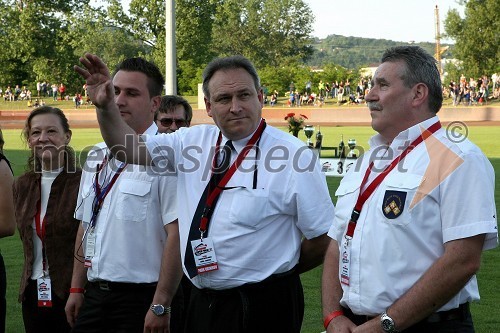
(356, 52)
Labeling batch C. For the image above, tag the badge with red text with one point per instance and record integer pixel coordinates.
(90, 247)
(204, 255)
(345, 260)
(43, 288)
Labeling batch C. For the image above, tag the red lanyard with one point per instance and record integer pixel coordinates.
(40, 227)
(363, 196)
(102, 192)
(215, 191)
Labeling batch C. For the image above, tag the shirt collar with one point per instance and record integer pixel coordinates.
(152, 130)
(51, 173)
(239, 144)
(404, 138)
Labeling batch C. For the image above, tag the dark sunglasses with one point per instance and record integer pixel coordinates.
(167, 122)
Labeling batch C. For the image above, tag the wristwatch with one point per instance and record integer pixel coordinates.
(387, 323)
(159, 309)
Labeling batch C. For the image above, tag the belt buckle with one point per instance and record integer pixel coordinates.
(104, 285)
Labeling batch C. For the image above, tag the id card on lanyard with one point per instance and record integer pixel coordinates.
(203, 248)
(345, 247)
(43, 284)
(100, 194)
(44, 292)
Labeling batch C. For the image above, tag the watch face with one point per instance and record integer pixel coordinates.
(387, 325)
(158, 309)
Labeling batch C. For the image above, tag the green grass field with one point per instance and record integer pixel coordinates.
(486, 312)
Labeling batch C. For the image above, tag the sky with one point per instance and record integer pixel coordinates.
(397, 20)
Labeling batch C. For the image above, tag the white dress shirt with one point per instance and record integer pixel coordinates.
(130, 234)
(257, 231)
(388, 255)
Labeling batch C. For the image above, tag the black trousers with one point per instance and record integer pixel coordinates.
(454, 321)
(186, 287)
(43, 319)
(273, 305)
(121, 308)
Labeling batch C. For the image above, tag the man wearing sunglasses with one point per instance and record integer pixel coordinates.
(174, 112)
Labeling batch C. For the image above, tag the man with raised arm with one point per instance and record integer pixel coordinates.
(256, 207)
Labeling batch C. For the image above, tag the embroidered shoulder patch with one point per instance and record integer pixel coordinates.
(393, 204)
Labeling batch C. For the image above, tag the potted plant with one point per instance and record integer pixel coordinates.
(295, 123)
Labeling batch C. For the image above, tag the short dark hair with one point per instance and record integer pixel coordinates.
(169, 102)
(156, 81)
(421, 67)
(232, 62)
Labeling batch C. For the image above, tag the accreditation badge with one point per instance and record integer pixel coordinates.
(345, 260)
(43, 288)
(89, 247)
(204, 255)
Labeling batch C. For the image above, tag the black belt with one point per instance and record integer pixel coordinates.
(255, 285)
(459, 313)
(357, 319)
(119, 286)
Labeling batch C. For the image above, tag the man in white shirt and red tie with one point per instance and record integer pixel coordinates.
(246, 233)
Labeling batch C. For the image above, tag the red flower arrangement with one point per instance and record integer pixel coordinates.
(295, 124)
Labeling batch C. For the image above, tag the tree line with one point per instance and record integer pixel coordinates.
(42, 40)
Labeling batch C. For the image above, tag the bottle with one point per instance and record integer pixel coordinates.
(342, 147)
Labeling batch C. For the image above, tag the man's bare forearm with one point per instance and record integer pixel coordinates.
(443, 280)
(120, 138)
(312, 253)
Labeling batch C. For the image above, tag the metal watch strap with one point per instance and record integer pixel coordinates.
(387, 323)
(166, 309)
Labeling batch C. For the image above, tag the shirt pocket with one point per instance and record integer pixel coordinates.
(249, 207)
(347, 194)
(393, 206)
(133, 199)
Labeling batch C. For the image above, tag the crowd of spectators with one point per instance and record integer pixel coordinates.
(461, 92)
(15, 94)
(56, 92)
(464, 92)
(473, 91)
(43, 89)
(339, 93)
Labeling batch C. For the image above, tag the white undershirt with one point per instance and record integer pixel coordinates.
(48, 178)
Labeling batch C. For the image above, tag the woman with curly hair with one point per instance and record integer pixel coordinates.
(45, 200)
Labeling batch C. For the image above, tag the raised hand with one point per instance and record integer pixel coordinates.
(99, 84)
